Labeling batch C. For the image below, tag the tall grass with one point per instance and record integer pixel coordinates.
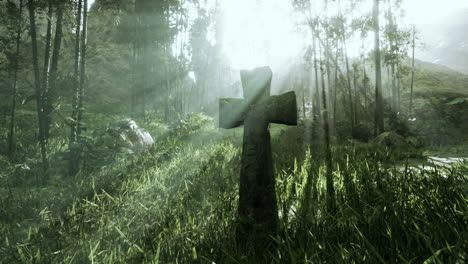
(178, 204)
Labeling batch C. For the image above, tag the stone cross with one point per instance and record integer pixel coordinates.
(257, 211)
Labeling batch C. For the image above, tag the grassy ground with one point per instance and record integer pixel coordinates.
(178, 203)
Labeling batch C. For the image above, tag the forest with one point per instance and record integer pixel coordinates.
(233, 131)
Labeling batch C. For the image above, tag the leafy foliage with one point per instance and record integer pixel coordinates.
(178, 204)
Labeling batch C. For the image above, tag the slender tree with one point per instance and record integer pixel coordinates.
(303, 100)
(378, 114)
(331, 203)
(167, 82)
(342, 31)
(316, 76)
(412, 74)
(399, 87)
(54, 66)
(356, 97)
(82, 68)
(135, 52)
(46, 71)
(11, 135)
(392, 33)
(348, 80)
(76, 92)
(37, 84)
(336, 82)
(365, 87)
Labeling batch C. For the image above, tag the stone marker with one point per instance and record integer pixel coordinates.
(258, 211)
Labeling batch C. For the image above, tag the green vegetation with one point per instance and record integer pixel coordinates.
(178, 204)
(360, 179)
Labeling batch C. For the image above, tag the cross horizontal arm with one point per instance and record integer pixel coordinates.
(282, 109)
(231, 112)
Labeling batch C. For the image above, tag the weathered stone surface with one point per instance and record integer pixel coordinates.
(257, 211)
(391, 139)
(128, 134)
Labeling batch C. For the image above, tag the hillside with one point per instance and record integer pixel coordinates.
(439, 80)
(440, 109)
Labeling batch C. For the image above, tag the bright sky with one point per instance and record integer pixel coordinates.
(258, 33)
(263, 32)
(432, 11)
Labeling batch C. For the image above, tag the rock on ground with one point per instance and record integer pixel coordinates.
(128, 134)
(391, 139)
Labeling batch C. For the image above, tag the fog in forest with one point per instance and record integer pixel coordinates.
(233, 131)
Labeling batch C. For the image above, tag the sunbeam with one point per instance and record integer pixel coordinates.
(258, 33)
(233, 131)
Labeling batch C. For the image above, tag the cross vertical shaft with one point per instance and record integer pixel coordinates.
(257, 211)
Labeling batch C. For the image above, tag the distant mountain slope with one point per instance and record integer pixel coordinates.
(439, 103)
(434, 78)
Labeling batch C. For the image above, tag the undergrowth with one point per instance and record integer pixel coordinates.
(178, 204)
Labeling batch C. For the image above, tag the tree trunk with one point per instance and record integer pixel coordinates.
(317, 87)
(74, 164)
(392, 43)
(348, 79)
(328, 158)
(412, 76)
(303, 100)
(54, 67)
(327, 63)
(378, 114)
(144, 62)
(136, 71)
(11, 135)
(365, 87)
(393, 88)
(82, 68)
(37, 85)
(327, 52)
(45, 75)
(133, 80)
(76, 90)
(167, 84)
(398, 88)
(335, 88)
(356, 97)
